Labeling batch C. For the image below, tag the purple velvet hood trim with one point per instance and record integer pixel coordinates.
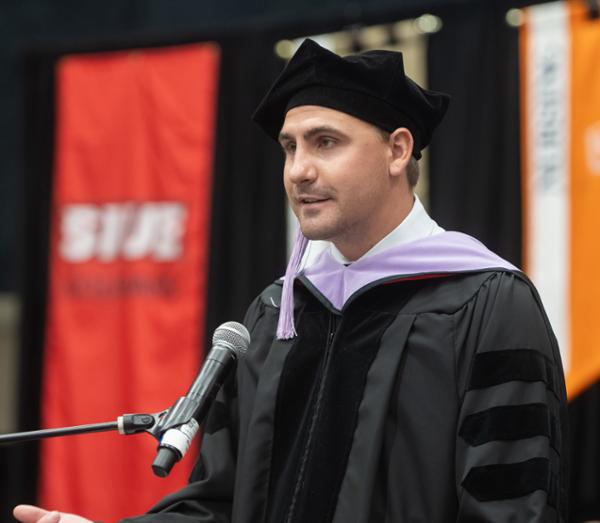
(444, 253)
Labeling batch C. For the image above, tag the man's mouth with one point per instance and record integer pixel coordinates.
(308, 200)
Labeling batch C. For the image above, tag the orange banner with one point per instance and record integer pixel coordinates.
(585, 196)
(128, 262)
(560, 53)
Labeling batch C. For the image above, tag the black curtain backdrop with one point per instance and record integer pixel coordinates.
(247, 229)
(248, 239)
(37, 116)
(476, 183)
(584, 412)
(475, 160)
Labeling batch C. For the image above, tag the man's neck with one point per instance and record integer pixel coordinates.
(415, 226)
(353, 250)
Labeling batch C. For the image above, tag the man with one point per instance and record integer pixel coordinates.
(405, 373)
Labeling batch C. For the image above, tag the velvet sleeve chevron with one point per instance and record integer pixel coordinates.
(512, 442)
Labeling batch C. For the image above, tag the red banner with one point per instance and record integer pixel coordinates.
(128, 266)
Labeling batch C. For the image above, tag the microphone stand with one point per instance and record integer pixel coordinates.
(175, 427)
(126, 425)
(154, 424)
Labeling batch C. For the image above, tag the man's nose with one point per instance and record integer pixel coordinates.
(302, 168)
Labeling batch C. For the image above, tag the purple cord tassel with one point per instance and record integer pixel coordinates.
(285, 327)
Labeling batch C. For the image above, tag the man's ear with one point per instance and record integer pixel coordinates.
(401, 145)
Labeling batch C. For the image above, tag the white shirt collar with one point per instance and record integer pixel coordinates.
(415, 226)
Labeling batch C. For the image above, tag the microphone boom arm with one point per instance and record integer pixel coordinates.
(195, 405)
(175, 427)
(127, 424)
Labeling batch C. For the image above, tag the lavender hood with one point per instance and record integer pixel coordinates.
(441, 254)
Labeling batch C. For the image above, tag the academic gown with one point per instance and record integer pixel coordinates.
(423, 386)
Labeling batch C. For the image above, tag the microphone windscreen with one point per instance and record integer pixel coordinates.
(233, 334)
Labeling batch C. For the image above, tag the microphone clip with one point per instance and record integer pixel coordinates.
(137, 423)
(181, 413)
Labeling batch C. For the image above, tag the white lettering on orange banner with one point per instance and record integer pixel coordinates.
(548, 163)
(128, 231)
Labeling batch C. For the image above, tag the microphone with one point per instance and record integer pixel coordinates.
(179, 425)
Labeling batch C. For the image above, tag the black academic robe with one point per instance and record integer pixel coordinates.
(433, 399)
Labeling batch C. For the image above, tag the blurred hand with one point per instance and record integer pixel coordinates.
(31, 514)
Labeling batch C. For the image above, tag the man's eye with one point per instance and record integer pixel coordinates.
(289, 148)
(327, 142)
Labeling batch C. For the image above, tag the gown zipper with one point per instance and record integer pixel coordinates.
(333, 323)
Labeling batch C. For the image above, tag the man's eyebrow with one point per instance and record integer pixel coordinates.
(313, 131)
(322, 129)
(284, 136)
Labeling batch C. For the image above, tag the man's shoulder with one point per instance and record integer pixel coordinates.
(271, 294)
(269, 298)
(449, 293)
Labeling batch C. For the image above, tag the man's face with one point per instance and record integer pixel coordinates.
(336, 176)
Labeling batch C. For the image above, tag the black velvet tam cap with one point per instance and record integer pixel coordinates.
(371, 86)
